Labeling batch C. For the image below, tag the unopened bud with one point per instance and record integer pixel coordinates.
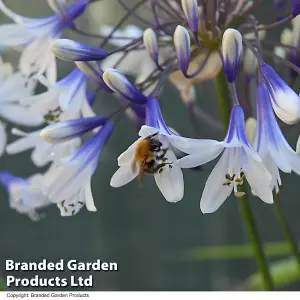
(190, 8)
(67, 130)
(150, 42)
(251, 125)
(286, 37)
(296, 7)
(250, 62)
(182, 44)
(121, 85)
(232, 48)
(74, 51)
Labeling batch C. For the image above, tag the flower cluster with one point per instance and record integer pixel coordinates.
(187, 42)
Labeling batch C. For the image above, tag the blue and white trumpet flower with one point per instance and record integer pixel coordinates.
(35, 35)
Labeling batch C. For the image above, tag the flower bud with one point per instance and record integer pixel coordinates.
(150, 42)
(286, 37)
(285, 102)
(190, 8)
(63, 131)
(250, 62)
(251, 125)
(232, 47)
(296, 7)
(74, 51)
(121, 85)
(182, 44)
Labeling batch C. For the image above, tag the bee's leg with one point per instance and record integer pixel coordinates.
(159, 168)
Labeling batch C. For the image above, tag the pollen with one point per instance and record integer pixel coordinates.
(236, 180)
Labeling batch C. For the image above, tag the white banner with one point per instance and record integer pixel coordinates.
(150, 295)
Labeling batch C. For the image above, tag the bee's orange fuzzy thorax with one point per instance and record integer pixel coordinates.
(143, 152)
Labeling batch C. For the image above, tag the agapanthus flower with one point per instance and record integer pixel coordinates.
(269, 141)
(35, 35)
(239, 162)
(69, 94)
(12, 88)
(24, 194)
(187, 42)
(72, 179)
(42, 152)
(152, 154)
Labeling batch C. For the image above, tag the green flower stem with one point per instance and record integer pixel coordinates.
(286, 231)
(224, 98)
(261, 259)
(225, 107)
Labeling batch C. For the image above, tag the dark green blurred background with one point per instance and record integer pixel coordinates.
(136, 227)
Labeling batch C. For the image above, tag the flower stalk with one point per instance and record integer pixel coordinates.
(225, 107)
(286, 231)
(223, 98)
(260, 256)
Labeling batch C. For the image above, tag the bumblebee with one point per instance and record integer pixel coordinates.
(150, 156)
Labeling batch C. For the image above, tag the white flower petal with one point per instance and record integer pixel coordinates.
(204, 156)
(86, 110)
(190, 146)
(3, 138)
(29, 141)
(20, 115)
(11, 14)
(145, 131)
(14, 35)
(259, 179)
(298, 146)
(89, 200)
(42, 103)
(127, 157)
(170, 180)
(124, 175)
(14, 88)
(215, 193)
(51, 70)
(69, 180)
(35, 58)
(41, 155)
(72, 97)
